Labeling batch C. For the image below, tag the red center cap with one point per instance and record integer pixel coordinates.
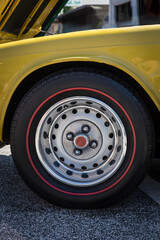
(81, 141)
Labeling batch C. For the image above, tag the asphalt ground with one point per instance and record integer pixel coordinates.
(23, 215)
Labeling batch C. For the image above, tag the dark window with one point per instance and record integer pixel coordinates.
(123, 13)
(149, 11)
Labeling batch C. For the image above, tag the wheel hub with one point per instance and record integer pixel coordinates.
(84, 133)
(81, 141)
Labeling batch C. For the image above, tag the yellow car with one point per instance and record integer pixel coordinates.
(80, 110)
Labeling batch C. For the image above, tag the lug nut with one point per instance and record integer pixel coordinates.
(77, 152)
(93, 144)
(85, 129)
(70, 136)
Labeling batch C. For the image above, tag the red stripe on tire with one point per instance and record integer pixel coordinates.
(72, 193)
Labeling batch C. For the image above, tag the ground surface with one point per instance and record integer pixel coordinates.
(24, 216)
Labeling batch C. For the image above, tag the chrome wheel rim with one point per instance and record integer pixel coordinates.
(81, 141)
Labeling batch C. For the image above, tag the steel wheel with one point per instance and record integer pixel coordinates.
(81, 141)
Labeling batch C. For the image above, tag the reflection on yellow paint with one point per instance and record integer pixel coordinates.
(137, 60)
(149, 66)
(152, 68)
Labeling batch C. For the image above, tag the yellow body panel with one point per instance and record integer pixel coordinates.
(135, 50)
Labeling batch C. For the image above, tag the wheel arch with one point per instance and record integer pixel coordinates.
(101, 68)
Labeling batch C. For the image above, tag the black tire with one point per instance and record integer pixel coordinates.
(65, 183)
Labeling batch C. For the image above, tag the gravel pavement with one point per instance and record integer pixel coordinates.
(24, 216)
